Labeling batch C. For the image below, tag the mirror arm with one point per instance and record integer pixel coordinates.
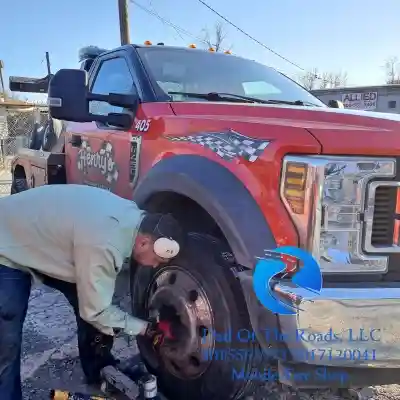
(106, 119)
(97, 97)
(99, 118)
(113, 99)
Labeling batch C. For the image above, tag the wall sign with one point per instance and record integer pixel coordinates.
(101, 160)
(360, 101)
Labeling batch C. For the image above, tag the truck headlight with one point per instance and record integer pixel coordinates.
(325, 197)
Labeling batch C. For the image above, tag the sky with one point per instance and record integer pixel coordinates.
(356, 36)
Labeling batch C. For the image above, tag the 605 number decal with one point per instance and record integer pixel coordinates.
(142, 125)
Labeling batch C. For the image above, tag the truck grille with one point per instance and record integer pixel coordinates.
(384, 212)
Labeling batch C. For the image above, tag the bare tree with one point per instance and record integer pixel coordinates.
(309, 79)
(337, 79)
(216, 37)
(392, 66)
(344, 77)
(312, 79)
(325, 80)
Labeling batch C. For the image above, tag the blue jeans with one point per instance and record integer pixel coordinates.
(15, 288)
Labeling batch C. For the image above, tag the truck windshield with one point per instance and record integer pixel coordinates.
(192, 71)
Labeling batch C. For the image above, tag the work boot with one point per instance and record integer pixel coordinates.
(97, 357)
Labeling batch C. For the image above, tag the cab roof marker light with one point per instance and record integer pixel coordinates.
(227, 52)
(148, 43)
(211, 49)
(192, 46)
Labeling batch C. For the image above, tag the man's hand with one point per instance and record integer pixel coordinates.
(158, 332)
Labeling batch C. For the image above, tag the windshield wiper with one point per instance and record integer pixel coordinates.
(214, 96)
(236, 98)
(292, 103)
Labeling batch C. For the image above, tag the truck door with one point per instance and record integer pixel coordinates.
(101, 155)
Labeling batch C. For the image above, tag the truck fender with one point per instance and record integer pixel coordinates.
(230, 204)
(219, 192)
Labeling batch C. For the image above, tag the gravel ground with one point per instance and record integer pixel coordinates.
(50, 354)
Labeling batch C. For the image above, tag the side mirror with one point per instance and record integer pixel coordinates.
(335, 104)
(69, 100)
(67, 96)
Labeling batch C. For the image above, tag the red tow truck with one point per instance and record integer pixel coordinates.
(247, 161)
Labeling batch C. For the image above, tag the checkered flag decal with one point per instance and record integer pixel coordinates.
(228, 145)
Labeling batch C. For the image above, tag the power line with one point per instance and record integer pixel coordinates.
(250, 36)
(165, 21)
(179, 30)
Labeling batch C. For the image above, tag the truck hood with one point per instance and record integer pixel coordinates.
(339, 131)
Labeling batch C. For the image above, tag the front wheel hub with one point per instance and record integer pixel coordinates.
(176, 296)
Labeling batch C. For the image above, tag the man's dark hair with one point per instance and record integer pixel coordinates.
(162, 225)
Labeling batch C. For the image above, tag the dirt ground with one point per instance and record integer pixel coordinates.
(50, 355)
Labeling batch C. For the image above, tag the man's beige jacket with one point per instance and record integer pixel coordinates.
(78, 234)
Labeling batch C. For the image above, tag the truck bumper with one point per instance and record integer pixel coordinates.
(355, 327)
(347, 327)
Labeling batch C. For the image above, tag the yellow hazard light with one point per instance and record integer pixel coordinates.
(211, 49)
(294, 189)
(192, 46)
(148, 43)
(227, 52)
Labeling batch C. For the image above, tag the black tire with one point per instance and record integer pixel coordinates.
(19, 185)
(49, 136)
(35, 137)
(203, 259)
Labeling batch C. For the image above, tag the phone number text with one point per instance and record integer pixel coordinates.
(297, 354)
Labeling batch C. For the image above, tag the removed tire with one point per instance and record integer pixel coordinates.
(49, 136)
(200, 291)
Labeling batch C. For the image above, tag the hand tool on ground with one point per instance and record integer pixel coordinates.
(62, 395)
(142, 387)
(130, 380)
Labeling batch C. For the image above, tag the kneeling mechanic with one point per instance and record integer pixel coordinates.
(76, 238)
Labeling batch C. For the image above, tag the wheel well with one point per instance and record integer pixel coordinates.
(190, 214)
(19, 172)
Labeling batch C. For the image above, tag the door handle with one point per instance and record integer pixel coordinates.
(76, 141)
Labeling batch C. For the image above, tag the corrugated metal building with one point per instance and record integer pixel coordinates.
(383, 98)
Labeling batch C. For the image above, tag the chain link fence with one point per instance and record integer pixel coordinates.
(16, 126)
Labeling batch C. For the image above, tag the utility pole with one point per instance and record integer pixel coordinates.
(3, 89)
(48, 82)
(123, 21)
(48, 63)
